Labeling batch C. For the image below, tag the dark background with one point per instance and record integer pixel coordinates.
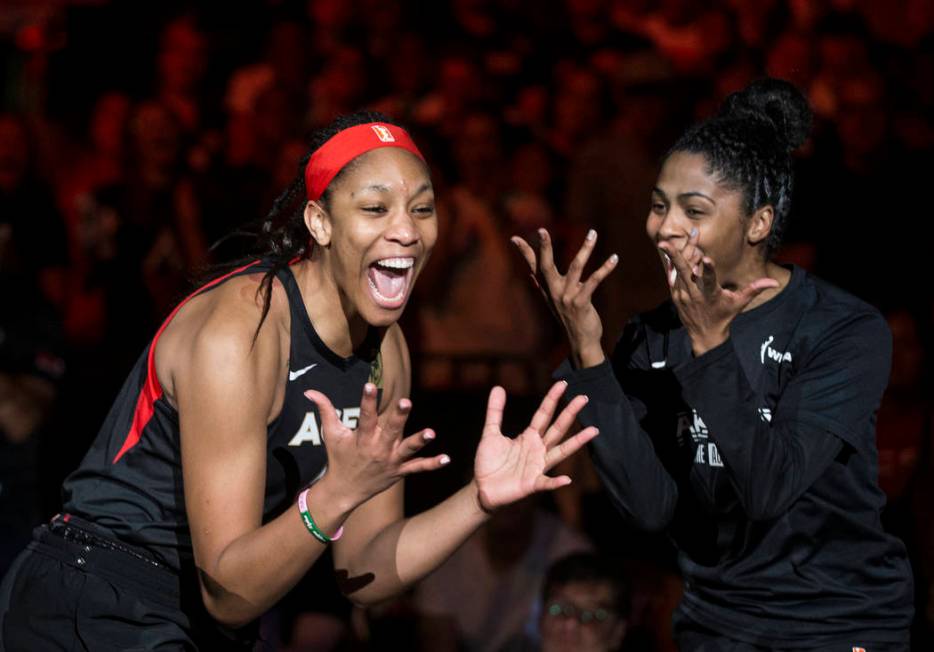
(135, 134)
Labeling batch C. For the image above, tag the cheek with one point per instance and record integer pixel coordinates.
(428, 232)
(652, 224)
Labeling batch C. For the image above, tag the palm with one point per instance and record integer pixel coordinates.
(507, 470)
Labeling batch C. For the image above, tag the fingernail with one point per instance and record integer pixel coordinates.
(444, 460)
(368, 389)
(586, 398)
(614, 259)
(694, 232)
(429, 435)
(591, 234)
(596, 430)
(563, 382)
(542, 233)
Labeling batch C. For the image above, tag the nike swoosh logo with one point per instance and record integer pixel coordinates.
(295, 374)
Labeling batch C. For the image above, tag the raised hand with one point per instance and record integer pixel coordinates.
(370, 459)
(507, 470)
(706, 308)
(569, 298)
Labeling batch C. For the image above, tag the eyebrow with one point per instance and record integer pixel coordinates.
(379, 187)
(688, 195)
(684, 195)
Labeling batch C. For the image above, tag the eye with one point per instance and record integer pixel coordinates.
(376, 209)
(694, 213)
(424, 211)
(658, 207)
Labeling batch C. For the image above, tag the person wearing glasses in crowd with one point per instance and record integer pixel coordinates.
(586, 605)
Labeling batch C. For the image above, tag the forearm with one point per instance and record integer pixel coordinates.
(623, 454)
(255, 570)
(407, 550)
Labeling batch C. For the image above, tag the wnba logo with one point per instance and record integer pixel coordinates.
(383, 133)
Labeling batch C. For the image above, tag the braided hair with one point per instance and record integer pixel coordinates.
(748, 145)
(281, 236)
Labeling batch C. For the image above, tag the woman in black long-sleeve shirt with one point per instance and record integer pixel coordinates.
(739, 416)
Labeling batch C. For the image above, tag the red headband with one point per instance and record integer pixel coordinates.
(344, 146)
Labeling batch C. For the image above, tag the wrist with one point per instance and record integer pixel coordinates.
(589, 355)
(311, 525)
(701, 343)
(331, 504)
(477, 500)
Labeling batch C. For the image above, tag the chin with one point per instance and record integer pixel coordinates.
(379, 313)
(380, 317)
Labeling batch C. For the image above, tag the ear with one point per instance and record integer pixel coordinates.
(318, 223)
(759, 226)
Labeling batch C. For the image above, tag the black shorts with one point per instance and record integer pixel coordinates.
(74, 594)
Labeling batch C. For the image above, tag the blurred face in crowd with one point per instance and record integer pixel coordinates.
(109, 122)
(581, 616)
(154, 136)
(183, 56)
(577, 104)
(478, 151)
(377, 232)
(861, 115)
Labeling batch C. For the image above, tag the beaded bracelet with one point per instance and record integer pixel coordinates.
(310, 522)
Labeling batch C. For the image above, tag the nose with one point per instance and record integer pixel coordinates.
(672, 226)
(402, 229)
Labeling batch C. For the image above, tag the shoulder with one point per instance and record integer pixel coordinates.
(842, 329)
(837, 313)
(223, 329)
(394, 366)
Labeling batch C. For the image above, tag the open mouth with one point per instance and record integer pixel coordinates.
(389, 281)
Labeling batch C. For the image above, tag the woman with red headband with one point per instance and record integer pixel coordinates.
(240, 446)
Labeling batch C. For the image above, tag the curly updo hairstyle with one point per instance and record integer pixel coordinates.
(748, 145)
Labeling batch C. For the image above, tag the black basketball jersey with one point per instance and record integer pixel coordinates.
(130, 481)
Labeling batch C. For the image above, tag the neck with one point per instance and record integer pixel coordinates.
(763, 269)
(338, 325)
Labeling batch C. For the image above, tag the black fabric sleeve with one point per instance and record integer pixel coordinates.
(623, 453)
(831, 400)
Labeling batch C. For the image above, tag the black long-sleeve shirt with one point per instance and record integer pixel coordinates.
(759, 459)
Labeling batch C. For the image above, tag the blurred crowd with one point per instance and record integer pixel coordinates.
(134, 136)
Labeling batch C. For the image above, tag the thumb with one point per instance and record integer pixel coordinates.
(754, 289)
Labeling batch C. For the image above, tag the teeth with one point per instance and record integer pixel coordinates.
(396, 263)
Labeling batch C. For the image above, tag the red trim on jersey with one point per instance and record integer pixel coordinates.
(152, 390)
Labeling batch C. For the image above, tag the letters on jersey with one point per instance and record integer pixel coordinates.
(310, 430)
